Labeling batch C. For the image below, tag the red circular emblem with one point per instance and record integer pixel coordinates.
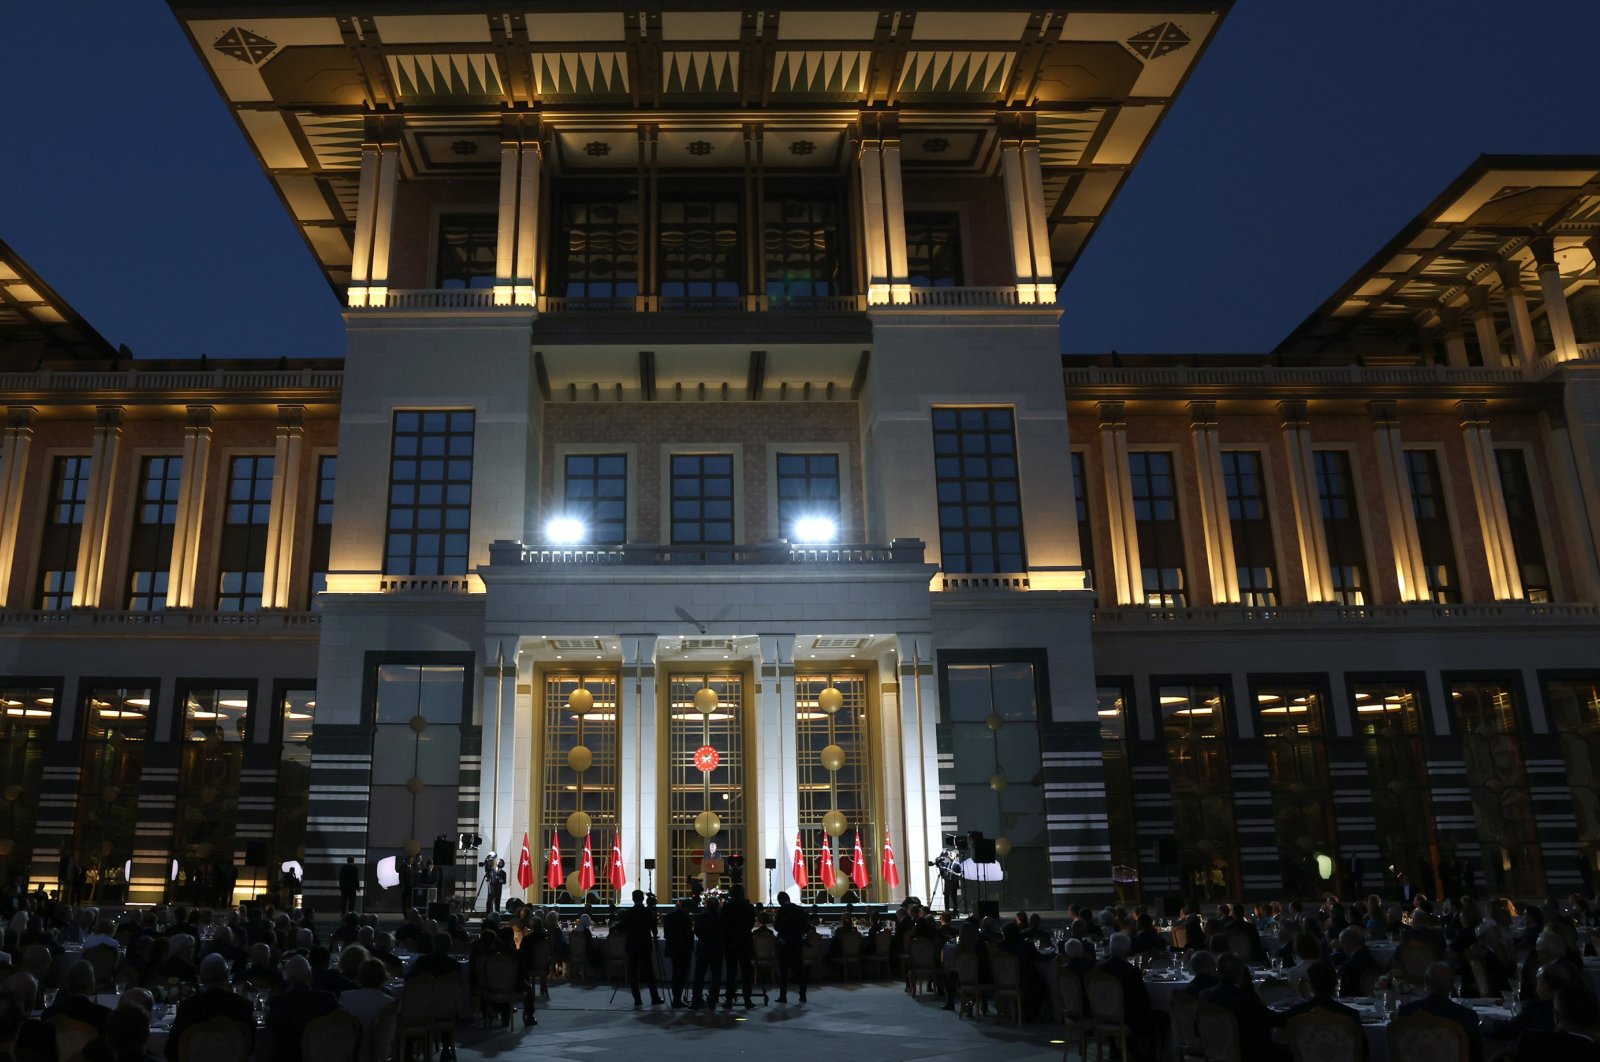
(706, 758)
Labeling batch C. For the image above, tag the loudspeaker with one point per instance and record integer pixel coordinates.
(649, 864)
(771, 863)
(988, 908)
(1166, 850)
(444, 853)
(255, 853)
(439, 912)
(982, 847)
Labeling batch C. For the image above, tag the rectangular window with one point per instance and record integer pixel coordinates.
(467, 248)
(1195, 734)
(596, 488)
(701, 252)
(980, 498)
(1341, 524)
(1388, 721)
(1573, 706)
(801, 243)
(1516, 486)
(1289, 718)
(27, 726)
(63, 526)
(1487, 721)
(848, 789)
(1251, 527)
(1155, 515)
(150, 554)
(322, 528)
(808, 488)
(702, 499)
(430, 492)
(243, 557)
(594, 790)
(1080, 504)
(117, 723)
(215, 728)
(725, 790)
(597, 251)
(1114, 709)
(1433, 526)
(933, 249)
(297, 709)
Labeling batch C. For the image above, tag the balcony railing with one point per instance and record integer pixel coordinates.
(960, 298)
(1412, 615)
(47, 380)
(900, 551)
(974, 298)
(176, 621)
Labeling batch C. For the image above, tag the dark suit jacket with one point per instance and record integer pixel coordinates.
(1199, 984)
(1441, 1007)
(79, 1008)
(1353, 969)
(208, 1004)
(639, 922)
(1256, 1020)
(349, 878)
(708, 934)
(1556, 1047)
(1536, 1015)
(288, 1015)
(678, 925)
(1135, 996)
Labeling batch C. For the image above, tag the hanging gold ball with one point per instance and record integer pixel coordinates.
(832, 757)
(5, 846)
(208, 794)
(413, 847)
(705, 700)
(834, 823)
(708, 824)
(997, 782)
(415, 785)
(992, 721)
(419, 723)
(840, 886)
(578, 823)
(13, 792)
(110, 794)
(830, 700)
(573, 888)
(579, 758)
(580, 701)
(1002, 846)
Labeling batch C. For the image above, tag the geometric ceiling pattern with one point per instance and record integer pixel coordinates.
(301, 80)
(1482, 223)
(35, 321)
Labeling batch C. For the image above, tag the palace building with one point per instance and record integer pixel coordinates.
(706, 359)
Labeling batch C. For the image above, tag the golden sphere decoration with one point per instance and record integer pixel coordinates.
(841, 885)
(834, 823)
(580, 701)
(413, 847)
(419, 723)
(1002, 846)
(573, 888)
(830, 700)
(705, 700)
(578, 823)
(414, 785)
(5, 846)
(708, 824)
(832, 757)
(208, 794)
(579, 758)
(13, 792)
(997, 782)
(110, 794)
(992, 721)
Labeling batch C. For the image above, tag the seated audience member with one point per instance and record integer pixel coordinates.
(1354, 961)
(33, 1035)
(214, 1000)
(1148, 1024)
(127, 1034)
(291, 1012)
(368, 1000)
(1324, 986)
(1235, 993)
(76, 998)
(1203, 965)
(1577, 1033)
(1440, 980)
(1537, 1014)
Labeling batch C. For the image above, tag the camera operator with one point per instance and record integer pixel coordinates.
(639, 923)
(494, 872)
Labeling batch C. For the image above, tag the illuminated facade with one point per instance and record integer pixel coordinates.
(697, 348)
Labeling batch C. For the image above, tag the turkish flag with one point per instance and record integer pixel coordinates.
(891, 870)
(858, 866)
(617, 875)
(825, 865)
(553, 876)
(798, 869)
(525, 864)
(586, 870)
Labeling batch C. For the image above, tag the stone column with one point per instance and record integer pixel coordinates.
(1402, 521)
(499, 709)
(517, 242)
(1215, 525)
(641, 785)
(1455, 343)
(894, 222)
(1483, 323)
(1578, 502)
(1025, 210)
(883, 217)
(777, 769)
(893, 772)
(284, 515)
(183, 569)
(87, 589)
(1556, 311)
(13, 477)
(1517, 308)
(919, 741)
(380, 173)
(1301, 468)
(1504, 576)
(1127, 573)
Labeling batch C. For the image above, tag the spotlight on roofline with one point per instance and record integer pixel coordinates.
(815, 530)
(564, 531)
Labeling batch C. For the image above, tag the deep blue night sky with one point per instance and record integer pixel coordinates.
(1309, 134)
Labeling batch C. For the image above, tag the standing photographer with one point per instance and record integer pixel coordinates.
(495, 874)
(639, 923)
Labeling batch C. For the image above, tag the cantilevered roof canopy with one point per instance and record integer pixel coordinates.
(303, 77)
(36, 323)
(1483, 222)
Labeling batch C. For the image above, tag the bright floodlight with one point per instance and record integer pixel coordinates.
(813, 530)
(564, 531)
(388, 873)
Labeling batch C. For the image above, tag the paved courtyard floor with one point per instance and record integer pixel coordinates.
(864, 1022)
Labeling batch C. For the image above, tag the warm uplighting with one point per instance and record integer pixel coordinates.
(815, 530)
(234, 704)
(138, 702)
(564, 531)
(1174, 700)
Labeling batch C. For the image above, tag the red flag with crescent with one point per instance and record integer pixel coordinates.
(798, 868)
(586, 868)
(553, 876)
(525, 864)
(858, 866)
(891, 870)
(615, 872)
(825, 872)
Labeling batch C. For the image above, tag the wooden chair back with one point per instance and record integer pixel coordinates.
(1106, 1003)
(217, 1039)
(334, 1037)
(1070, 989)
(1421, 1037)
(1184, 1005)
(385, 1035)
(72, 1036)
(1219, 1032)
(1324, 1036)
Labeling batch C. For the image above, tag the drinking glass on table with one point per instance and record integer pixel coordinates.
(49, 998)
